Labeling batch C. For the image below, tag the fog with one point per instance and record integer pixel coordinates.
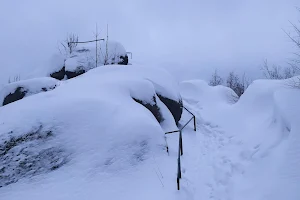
(189, 36)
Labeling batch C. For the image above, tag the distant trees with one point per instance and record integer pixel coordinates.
(237, 83)
(277, 72)
(293, 68)
(215, 79)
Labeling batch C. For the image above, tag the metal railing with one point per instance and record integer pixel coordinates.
(180, 147)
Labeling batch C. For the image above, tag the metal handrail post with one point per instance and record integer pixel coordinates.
(180, 146)
(195, 129)
(180, 142)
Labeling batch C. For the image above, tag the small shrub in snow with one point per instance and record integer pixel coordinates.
(15, 79)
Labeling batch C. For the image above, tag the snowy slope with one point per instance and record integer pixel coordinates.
(249, 149)
(111, 147)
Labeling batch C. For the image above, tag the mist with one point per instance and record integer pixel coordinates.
(190, 36)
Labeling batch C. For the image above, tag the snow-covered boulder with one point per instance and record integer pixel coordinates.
(83, 58)
(18, 90)
(175, 106)
(103, 122)
(166, 89)
(55, 68)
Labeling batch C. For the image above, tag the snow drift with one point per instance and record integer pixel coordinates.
(263, 130)
(206, 96)
(99, 122)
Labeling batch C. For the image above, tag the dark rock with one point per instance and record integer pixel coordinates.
(59, 74)
(175, 107)
(75, 73)
(23, 91)
(18, 94)
(124, 60)
(154, 109)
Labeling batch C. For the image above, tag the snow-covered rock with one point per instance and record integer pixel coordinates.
(102, 122)
(83, 58)
(17, 90)
(56, 67)
(166, 88)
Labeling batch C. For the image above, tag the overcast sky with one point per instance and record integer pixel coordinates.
(189, 35)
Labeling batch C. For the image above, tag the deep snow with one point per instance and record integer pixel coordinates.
(245, 149)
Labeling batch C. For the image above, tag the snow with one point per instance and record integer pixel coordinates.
(105, 137)
(207, 95)
(249, 148)
(163, 82)
(32, 86)
(84, 55)
(114, 148)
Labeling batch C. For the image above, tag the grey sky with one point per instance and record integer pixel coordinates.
(194, 35)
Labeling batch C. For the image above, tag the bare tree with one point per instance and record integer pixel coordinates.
(69, 44)
(215, 79)
(277, 72)
(237, 84)
(295, 38)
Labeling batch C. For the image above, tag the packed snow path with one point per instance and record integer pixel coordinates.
(209, 161)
